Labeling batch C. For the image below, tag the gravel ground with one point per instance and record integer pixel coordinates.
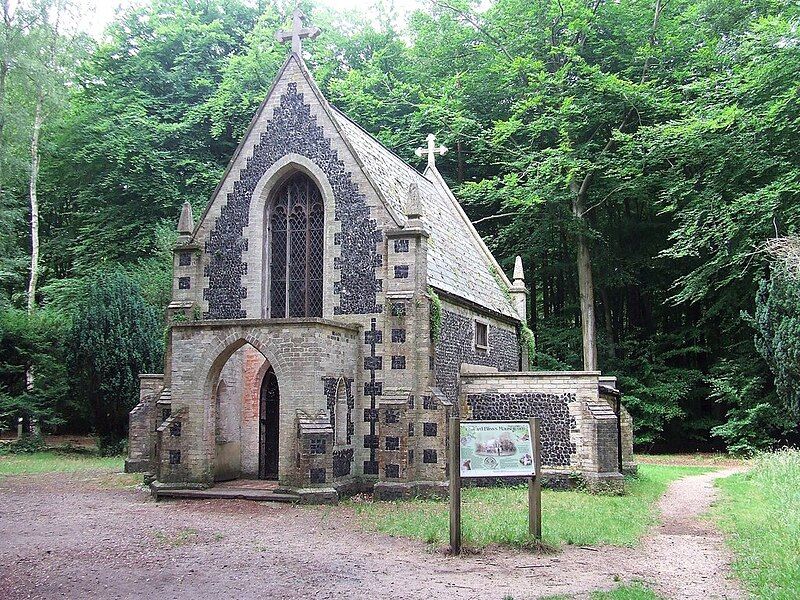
(81, 536)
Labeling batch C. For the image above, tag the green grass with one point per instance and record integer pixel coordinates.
(760, 513)
(53, 462)
(630, 591)
(500, 515)
(633, 591)
(178, 538)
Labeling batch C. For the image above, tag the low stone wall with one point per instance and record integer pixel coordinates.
(579, 428)
(142, 423)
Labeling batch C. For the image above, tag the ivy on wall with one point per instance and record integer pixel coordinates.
(436, 315)
(527, 343)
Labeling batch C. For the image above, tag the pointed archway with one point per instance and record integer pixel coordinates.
(269, 426)
(236, 400)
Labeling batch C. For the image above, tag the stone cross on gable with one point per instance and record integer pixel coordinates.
(431, 150)
(298, 32)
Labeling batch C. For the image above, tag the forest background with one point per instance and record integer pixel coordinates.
(642, 156)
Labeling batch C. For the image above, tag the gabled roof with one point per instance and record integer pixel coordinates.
(459, 263)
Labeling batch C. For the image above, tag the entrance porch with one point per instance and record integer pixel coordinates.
(252, 400)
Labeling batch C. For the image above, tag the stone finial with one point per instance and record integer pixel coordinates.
(414, 205)
(431, 150)
(518, 292)
(519, 274)
(298, 32)
(186, 222)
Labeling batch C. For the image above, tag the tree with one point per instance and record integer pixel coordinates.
(777, 322)
(114, 337)
(137, 140)
(14, 26)
(33, 343)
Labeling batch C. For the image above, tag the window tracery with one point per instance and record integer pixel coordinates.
(296, 249)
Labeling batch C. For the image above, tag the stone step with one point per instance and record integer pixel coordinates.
(228, 493)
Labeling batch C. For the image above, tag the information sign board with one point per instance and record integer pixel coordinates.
(496, 449)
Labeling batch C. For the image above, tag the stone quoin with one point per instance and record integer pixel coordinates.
(332, 308)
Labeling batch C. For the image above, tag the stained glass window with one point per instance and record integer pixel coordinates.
(296, 249)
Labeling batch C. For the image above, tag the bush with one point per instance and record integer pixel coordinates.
(777, 322)
(112, 445)
(755, 421)
(115, 336)
(27, 445)
(32, 345)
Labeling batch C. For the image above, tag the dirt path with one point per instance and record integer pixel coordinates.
(686, 556)
(72, 536)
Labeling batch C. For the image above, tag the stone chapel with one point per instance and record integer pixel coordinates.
(332, 308)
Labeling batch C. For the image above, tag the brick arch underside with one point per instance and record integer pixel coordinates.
(293, 129)
(215, 357)
(237, 443)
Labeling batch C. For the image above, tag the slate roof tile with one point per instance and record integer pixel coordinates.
(458, 262)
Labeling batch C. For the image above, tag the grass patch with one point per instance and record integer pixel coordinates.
(633, 591)
(760, 512)
(54, 462)
(178, 538)
(700, 459)
(500, 515)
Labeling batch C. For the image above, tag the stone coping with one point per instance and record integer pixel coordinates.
(407, 232)
(298, 321)
(540, 374)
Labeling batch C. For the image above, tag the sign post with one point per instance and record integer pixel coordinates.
(535, 484)
(455, 485)
(495, 449)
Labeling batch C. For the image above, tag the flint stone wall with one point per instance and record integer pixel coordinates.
(552, 409)
(578, 433)
(456, 346)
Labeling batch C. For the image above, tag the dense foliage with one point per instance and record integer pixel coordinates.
(660, 137)
(114, 336)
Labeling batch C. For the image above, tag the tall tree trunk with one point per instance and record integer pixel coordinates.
(5, 65)
(546, 284)
(534, 316)
(585, 281)
(579, 205)
(34, 277)
(460, 163)
(3, 75)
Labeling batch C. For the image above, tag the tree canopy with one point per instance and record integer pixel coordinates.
(643, 152)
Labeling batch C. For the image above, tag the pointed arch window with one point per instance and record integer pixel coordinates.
(296, 249)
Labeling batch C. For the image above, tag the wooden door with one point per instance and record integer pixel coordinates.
(268, 430)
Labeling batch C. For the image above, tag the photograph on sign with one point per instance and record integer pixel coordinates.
(496, 449)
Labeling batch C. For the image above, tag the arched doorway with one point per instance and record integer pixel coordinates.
(236, 401)
(269, 420)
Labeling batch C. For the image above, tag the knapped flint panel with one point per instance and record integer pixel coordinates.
(552, 409)
(293, 129)
(456, 345)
